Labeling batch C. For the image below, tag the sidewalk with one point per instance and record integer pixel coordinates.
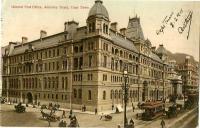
(169, 123)
(181, 118)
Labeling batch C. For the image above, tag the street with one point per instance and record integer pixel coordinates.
(32, 118)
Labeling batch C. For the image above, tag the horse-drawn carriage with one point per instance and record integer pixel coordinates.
(44, 106)
(3, 100)
(20, 108)
(172, 111)
(152, 110)
(51, 117)
(106, 117)
(73, 121)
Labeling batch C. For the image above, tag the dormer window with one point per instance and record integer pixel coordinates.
(93, 27)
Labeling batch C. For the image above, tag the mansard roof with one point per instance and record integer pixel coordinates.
(155, 57)
(122, 41)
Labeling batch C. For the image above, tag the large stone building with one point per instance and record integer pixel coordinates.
(188, 68)
(84, 65)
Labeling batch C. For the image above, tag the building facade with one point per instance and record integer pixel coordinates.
(84, 65)
(189, 70)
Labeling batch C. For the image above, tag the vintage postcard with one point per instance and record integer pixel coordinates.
(100, 63)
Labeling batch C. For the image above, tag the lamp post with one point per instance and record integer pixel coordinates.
(125, 88)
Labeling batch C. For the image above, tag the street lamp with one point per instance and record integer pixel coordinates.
(125, 88)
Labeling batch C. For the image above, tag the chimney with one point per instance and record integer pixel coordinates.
(161, 45)
(43, 34)
(153, 49)
(24, 40)
(123, 31)
(113, 26)
(70, 25)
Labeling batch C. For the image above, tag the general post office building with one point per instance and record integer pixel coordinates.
(84, 65)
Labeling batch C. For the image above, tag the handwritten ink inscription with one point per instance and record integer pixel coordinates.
(172, 21)
(185, 23)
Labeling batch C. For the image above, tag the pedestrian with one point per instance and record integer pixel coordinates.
(112, 106)
(131, 122)
(84, 108)
(133, 107)
(118, 126)
(64, 124)
(95, 110)
(126, 121)
(49, 122)
(38, 103)
(101, 116)
(63, 114)
(162, 123)
(61, 123)
(70, 112)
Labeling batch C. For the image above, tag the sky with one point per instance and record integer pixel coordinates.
(28, 17)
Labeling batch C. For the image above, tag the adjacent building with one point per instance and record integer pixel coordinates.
(188, 68)
(84, 65)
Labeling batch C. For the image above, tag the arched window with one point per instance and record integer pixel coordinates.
(89, 95)
(116, 94)
(116, 51)
(121, 65)
(112, 63)
(111, 94)
(104, 95)
(130, 56)
(116, 65)
(113, 50)
(121, 53)
(104, 28)
(120, 94)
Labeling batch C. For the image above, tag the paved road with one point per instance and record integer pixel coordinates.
(193, 123)
(33, 118)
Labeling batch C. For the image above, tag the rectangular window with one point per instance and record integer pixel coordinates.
(75, 93)
(49, 53)
(45, 66)
(80, 63)
(104, 61)
(75, 49)
(90, 61)
(58, 52)
(54, 52)
(89, 95)
(41, 55)
(45, 54)
(104, 77)
(57, 65)
(64, 50)
(80, 93)
(75, 63)
(49, 66)
(63, 82)
(66, 83)
(90, 76)
(53, 65)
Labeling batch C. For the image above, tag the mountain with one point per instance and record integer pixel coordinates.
(180, 57)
